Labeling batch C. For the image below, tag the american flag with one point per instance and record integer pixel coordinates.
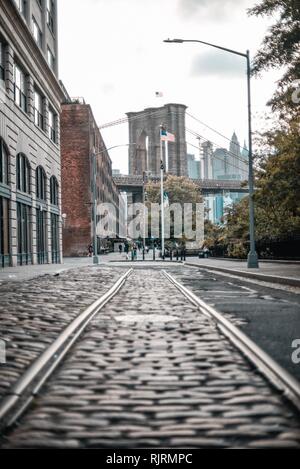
(167, 136)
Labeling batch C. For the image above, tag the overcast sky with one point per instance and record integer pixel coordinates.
(112, 54)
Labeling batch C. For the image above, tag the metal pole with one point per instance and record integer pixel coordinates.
(167, 156)
(162, 201)
(144, 217)
(252, 256)
(95, 244)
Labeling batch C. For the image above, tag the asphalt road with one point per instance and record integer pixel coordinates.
(270, 316)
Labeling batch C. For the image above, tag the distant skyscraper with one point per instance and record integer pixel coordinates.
(234, 147)
(206, 160)
(245, 151)
(220, 163)
(231, 164)
(218, 209)
(193, 167)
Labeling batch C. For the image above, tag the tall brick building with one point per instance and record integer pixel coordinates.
(30, 97)
(80, 140)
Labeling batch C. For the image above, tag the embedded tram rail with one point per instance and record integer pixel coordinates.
(151, 364)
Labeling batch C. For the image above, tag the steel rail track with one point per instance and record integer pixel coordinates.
(29, 384)
(278, 376)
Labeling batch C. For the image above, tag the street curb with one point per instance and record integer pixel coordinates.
(293, 282)
(263, 261)
(139, 261)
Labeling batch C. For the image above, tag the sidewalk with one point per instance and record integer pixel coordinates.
(28, 272)
(20, 273)
(285, 274)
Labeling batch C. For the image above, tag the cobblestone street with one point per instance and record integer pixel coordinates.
(150, 370)
(34, 312)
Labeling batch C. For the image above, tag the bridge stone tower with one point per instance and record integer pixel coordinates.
(144, 131)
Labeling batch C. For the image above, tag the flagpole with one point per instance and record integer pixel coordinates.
(167, 156)
(162, 197)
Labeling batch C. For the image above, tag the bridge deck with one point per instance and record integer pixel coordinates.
(131, 181)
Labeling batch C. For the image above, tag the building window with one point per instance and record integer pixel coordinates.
(41, 236)
(50, 15)
(21, 4)
(37, 33)
(55, 251)
(51, 59)
(4, 209)
(24, 234)
(54, 197)
(20, 89)
(4, 233)
(41, 182)
(3, 163)
(52, 125)
(23, 174)
(38, 110)
(2, 62)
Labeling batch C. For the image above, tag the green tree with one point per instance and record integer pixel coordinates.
(277, 195)
(280, 48)
(180, 190)
(214, 238)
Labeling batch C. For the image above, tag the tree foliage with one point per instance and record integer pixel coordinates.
(277, 194)
(180, 190)
(281, 48)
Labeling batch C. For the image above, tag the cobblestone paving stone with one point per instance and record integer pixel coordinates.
(34, 312)
(146, 381)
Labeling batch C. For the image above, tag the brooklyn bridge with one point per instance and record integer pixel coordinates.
(133, 184)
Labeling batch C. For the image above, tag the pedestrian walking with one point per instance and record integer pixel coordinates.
(126, 250)
(134, 251)
(90, 250)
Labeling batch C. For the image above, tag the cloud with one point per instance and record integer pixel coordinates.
(217, 63)
(214, 9)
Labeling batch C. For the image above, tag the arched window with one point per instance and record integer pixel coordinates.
(54, 191)
(41, 181)
(23, 173)
(3, 163)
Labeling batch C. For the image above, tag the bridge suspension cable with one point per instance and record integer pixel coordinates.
(212, 129)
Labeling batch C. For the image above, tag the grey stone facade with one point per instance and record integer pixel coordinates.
(144, 139)
(24, 130)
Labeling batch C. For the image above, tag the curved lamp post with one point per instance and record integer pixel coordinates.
(252, 255)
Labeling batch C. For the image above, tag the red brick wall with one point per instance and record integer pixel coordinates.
(76, 172)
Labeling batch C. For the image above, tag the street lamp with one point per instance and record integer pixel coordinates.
(94, 155)
(252, 255)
